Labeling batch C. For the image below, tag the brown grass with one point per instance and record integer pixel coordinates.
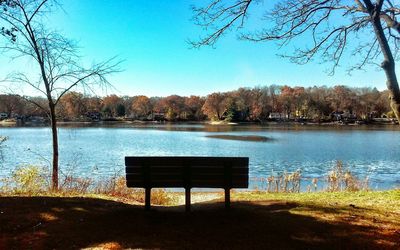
(255, 221)
(33, 181)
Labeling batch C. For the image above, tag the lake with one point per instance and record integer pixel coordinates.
(99, 151)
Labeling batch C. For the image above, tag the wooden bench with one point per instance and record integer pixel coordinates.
(187, 172)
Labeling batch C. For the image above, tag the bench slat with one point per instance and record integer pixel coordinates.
(159, 177)
(180, 183)
(194, 170)
(181, 175)
(155, 184)
(183, 161)
(138, 169)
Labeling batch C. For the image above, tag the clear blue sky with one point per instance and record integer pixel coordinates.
(151, 36)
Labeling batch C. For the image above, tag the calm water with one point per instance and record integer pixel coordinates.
(99, 151)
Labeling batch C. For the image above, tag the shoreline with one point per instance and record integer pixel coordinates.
(5, 123)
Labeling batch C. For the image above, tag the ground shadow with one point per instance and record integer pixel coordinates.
(71, 223)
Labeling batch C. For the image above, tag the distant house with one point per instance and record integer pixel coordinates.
(346, 115)
(156, 116)
(276, 115)
(37, 119)
(94, 115)
(3, 116)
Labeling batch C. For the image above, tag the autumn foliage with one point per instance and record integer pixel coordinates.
(243, 104)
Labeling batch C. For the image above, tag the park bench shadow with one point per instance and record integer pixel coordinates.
(71, 223)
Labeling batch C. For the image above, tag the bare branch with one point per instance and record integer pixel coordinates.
(390, 22)
(37, 10)
(96, 73)
(289, 20)
(361, 6)
(29, 99)
(215, 12)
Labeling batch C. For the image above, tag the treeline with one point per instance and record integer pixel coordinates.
(244, 104)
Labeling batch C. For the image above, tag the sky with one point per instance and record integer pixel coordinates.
(151, 37)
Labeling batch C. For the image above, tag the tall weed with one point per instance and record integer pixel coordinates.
(284, 182)
(340, 178)
(35, 180)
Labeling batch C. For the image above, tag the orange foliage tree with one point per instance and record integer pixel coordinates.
(214, 106)
(141, 106)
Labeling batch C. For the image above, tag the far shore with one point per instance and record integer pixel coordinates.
(116, 122)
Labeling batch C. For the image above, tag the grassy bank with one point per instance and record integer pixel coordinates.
(259, 220)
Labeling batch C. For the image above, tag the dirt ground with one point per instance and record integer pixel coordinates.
(89, 223)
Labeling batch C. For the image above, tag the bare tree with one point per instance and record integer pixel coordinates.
(336, 28)
(55, 58)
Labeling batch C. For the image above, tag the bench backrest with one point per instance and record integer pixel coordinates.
(212, 172)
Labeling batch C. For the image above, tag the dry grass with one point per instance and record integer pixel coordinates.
(33, 181)
(339, 178)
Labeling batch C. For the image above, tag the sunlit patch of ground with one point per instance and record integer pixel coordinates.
(107, 245)
(48, 216)
(198, 197)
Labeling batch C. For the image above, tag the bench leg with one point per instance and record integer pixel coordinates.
(227, 198)
(147, 197)
(187, 199)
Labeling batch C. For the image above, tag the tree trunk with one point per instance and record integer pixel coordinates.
(54, 133)
(388, 64)
(393, 88)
